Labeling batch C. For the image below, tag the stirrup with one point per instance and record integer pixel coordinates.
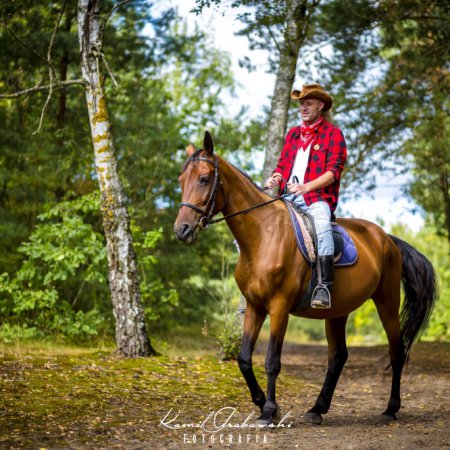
(318, 304)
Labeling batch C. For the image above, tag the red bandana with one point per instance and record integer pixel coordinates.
(307, 133)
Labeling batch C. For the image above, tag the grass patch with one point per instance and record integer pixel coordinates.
(101, 396)
(59, 396)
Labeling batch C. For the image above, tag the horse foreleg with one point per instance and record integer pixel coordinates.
(278, 323)
(253, 321)
(337, 356)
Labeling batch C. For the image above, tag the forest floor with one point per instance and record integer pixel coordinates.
(75, 398)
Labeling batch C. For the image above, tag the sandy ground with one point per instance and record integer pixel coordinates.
(353, 421)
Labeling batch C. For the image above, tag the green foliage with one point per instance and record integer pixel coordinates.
(64, 267)
(437, 249)
(63, 257)
(303, 330)
(230, 338)
(158, 300)
(388, 73)
(364, 324)
(431, 167)
(171, 88)
(13, 334)
(227, 323)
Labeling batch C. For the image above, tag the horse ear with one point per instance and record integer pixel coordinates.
(208, 145)
(190, 150)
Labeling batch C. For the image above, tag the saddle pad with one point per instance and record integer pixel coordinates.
(349, 254)
(303, 238)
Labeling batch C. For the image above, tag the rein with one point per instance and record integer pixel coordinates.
(206, 218)
(251, 208)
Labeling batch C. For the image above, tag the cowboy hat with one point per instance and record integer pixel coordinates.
(313, 91)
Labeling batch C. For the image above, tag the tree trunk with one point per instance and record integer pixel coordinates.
(443, 176)
(440, 142)
(131, 336)
(297, 22)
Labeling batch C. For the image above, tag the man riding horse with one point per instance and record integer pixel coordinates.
(310, 164)
(273, 275)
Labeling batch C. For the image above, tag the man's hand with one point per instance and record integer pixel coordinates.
(324, 180)
(298, 188)
(273, 181)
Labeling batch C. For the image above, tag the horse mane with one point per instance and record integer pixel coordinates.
(246, 175)
(195, 156)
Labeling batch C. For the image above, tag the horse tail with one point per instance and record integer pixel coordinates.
(420, 289)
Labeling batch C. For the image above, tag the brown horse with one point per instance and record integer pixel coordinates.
(273, 275)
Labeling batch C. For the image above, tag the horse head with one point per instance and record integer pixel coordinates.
(199, 181)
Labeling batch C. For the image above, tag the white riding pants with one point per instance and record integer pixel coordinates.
(321, 214)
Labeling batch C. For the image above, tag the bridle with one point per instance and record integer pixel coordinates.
(205, 219)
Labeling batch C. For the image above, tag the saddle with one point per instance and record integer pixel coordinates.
(345, 252)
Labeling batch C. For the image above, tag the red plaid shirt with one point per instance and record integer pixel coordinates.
(328, 153)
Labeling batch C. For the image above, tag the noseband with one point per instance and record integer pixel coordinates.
(208, 212)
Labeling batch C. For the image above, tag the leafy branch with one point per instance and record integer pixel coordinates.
(51, 68)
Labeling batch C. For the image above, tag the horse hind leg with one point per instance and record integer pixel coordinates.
(387, 302)
(337, 356)
(253, 322)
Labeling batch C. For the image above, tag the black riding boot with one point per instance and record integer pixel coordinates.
(322, 294)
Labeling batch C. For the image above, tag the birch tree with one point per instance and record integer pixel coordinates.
(131, 336)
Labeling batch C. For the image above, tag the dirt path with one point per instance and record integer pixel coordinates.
(361, 396)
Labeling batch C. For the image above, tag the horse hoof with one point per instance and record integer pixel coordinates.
(386, 418)
(276, 416)
(264, 420)
(312, 418)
